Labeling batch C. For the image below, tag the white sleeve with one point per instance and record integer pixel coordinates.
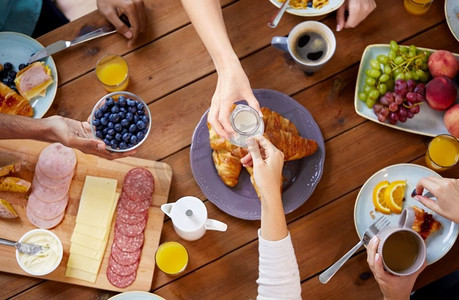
(278, 274)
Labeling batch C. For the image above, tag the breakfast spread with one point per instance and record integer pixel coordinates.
(33, 80)
(50, 186)
(424, 223)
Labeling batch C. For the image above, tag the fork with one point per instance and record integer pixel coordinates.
(381, 223)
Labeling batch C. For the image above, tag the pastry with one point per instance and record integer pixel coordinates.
(12, 103)
(292, 145)
(33, 80)
(424, 223)
(228, 166)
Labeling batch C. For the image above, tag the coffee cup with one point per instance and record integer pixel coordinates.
(402, 249)
(311, 44)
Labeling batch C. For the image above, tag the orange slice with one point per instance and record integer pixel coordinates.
(378, 197)
(394, 195)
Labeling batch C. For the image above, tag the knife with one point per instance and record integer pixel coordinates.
(61, 45)
(30, 249)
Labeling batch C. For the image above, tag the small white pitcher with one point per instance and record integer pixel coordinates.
(189, 217)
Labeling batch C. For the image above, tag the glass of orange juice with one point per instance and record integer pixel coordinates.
(171, 258)
(442, 152)
(417, 7)
(113, 72)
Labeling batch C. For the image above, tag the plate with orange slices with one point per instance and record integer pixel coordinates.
(388, 192)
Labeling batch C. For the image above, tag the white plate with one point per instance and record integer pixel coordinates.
(17, 48)
(136, 296)
(439, 243)
(428, 122)
(311, 12)
(451, 9)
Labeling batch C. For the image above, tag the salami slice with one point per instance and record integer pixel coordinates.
(134, 206)
(46, 194)
(40, 223)
(138, 184)
(125, 216)
(124, 258)
(52, 182)
(131, 230)
(120, 269)
(57, 160)
(127, 243)
(120, 281)
(47, 210)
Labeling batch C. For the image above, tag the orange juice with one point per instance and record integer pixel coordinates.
(112, 71)
(171, 258)
(417, 7)
(443, 152)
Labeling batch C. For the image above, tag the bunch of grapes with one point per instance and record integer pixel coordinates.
(402, 104)
(407, 63)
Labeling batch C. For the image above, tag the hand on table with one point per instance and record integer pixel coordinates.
(76, 134)
(134, 10)
(232, 86)
(358, 11)
(446, 190)
(393, 287)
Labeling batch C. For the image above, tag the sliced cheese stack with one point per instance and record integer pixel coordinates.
(90, 235)
(50, 186)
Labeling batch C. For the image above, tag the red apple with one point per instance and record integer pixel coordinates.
(443, 63)
(451, 120)
(441, 93)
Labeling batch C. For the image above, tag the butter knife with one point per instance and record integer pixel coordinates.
(61, 45)
(30, 249)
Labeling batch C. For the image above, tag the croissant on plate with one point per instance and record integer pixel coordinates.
(292, 145)
(275, 122)
(228, 166)
(12, 103)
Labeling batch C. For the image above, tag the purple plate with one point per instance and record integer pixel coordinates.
(301, 176)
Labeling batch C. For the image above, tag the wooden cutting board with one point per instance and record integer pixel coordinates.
(27, 151)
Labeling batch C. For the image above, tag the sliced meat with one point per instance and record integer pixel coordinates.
(124, 258)
(52, 182)
(46, 194)
(138, 184)
(47, 210)
(57, 161)
(131, 230)
(120, 269)
(134, 206)
(128, 243)
(120, 281)
(125, 216)
(40, 223)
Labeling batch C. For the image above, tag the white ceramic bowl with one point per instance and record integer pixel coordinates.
(54, 262)
(97, 126)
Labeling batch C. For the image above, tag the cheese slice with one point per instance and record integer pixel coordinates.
(88, 241)
(87, 252)
(79, 274)
(92, 231)
(83, 263)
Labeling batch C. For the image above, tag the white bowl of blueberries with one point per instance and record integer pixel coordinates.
(121, 120)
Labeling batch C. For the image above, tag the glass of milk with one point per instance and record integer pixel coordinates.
(246, 123)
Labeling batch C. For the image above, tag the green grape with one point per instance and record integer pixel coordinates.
(387, 69)
(371, 103)
(413, 48)
(408, 75)
(375, 74)
(390, 84)
(374, 64)
(419, 73)
(382, 88)
(367, 72)
(404, 49)
(367, 88)
(392, 55)
(424, 77)
(411, 54)
(384, 78)
(400, 76)
(418, 62)
(394, 45)
(414, 75)
(374, 94)
(363, 97)
(399, 60)
(382, 58)
(370, 81)
(424, 66)
(397, 71)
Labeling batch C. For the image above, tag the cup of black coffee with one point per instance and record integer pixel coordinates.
(311, 44)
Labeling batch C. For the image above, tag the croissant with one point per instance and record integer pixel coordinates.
(228, 166)
(292, 145)
(275, 122)
(12, 103)
(252, 180)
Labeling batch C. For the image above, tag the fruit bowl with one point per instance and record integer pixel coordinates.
(121, 120)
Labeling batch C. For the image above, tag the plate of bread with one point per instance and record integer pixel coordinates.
(26, 90)
(438, 232)
(217, 169)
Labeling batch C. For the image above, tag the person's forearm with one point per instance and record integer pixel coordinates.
(273, 223)
(18, 127)
(207, 19)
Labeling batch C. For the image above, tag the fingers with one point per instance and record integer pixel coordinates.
(135, 13)
(224, 119)
(254, 150)
(113, 18)
(340, 17)
(371, 251)
(429, 203)
(430, 183)
(247, 160)
(216, 125)
(253, 102)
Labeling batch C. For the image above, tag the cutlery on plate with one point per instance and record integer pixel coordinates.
(276, 18)
(61, 45)
(428, 194)
(30, 249)
(381, 223)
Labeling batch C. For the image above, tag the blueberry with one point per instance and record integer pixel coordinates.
(10, 81)
(22, 66)
(139, 106)
(98, 114)
(126, 137)
(115, 109)
(122, 101)
(104, 130)
(103, 108)
(96, 122)
(8, 66)
(124, 131)
(122, 114)
(111, 125)
(111, 131)
(124, 123)
(114, 144)
(103, 121)
(133, 109)
(145, 119)
(107, 142)
(115, 118)
(118, 136)
(133, 140)
(109, 137)
(123, 145)
(99, 134)
(118, 127)
(109, 101)
(132, 128)
(140, 135)
(124, 109)
(12, 74)
(107, 115)
(129, 116)
(130, 102)
(136, 118)
(140, 124)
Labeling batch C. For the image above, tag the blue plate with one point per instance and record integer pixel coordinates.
(17, 48)
(136, 296)
(428, 122)
(301, 176)
(312, 12)
(451, 11)
(439, 243)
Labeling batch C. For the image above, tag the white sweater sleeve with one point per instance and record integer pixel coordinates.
(278, 274)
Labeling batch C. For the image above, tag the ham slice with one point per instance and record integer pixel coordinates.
(33, 80)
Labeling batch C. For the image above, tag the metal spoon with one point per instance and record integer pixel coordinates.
(30, 249)
(276, 18)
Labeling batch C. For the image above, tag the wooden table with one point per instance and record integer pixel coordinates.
(171, 70)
